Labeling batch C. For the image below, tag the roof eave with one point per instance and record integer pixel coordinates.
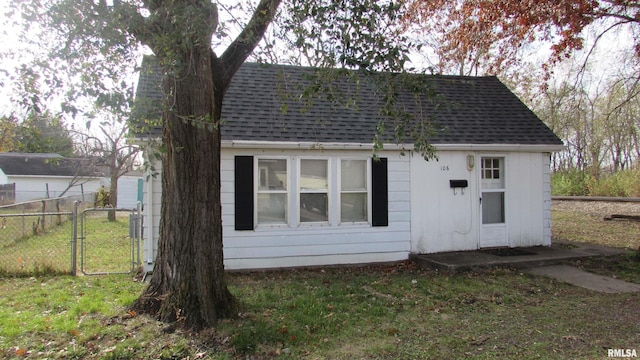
(252, 144)
(502, 147)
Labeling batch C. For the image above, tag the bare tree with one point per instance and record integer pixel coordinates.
(110, 150)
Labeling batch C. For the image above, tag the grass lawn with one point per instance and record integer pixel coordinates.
(368, 312)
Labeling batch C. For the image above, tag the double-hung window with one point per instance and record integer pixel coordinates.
(353, 191)
(272, 191)
(314, 190)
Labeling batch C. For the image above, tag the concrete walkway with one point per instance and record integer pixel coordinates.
(538, 260)
(587, 280)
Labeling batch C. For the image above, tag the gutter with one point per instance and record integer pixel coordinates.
(310, 145)
(247, 144)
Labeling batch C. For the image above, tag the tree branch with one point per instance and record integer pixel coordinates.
(243, 45)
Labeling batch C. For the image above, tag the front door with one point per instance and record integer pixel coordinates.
(493, 232)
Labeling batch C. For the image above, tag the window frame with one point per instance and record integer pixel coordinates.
(329, 190)
(495, 185)
(367, 190)
(257, 191)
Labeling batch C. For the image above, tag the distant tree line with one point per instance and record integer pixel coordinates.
(36, 133)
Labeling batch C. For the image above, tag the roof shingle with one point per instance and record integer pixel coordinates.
(47, 165)
(264, 103)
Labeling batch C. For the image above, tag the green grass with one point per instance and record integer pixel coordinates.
(367, 312)
(46, 253)
(107, 245)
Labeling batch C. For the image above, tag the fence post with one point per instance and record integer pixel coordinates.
(44, 210)
(24, 229)
(74, 239)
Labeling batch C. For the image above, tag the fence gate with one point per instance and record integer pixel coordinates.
(109, 247)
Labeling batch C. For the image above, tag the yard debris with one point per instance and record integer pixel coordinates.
(372, 291)
(622, 217)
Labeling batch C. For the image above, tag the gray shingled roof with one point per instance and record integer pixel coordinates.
(467, 110)
(46, 165)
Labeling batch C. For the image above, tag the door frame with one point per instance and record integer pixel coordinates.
(493, 234)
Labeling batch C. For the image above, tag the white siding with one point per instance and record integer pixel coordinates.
(443, 220)
(446, 221)
(306, 245)
(546, 176)
(128, 192)
(425, 214)
(35, 187)
(302, 245)
(3, 178)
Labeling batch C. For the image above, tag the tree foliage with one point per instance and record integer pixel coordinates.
(599, 127)
(8, 131)
(490, 34)
(38, 133)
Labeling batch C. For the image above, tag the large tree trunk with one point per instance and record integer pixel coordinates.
(188, 282)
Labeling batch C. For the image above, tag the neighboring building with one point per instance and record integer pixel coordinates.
(130, 190)
(300, 186)
(42, 176)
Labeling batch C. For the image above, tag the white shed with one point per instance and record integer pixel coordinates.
(301, 187)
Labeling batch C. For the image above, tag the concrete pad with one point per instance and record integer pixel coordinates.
(536, 256)
(587, 280)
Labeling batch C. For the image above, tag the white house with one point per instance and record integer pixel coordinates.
(300, 185)
(41, 176)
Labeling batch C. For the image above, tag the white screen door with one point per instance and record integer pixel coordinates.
(492, 203)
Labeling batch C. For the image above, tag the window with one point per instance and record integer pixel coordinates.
(314, 191)
(329, 191)
(272, 191)
(353, 192)
(491, 168)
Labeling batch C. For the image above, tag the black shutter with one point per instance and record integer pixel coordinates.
(244, 192)
(379, 192)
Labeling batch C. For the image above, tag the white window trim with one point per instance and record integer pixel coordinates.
(329, 191)
(503, 189)
(294, 190)
(257, 191)
(368, 182)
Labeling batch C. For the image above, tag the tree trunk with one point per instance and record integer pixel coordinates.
(188, 283)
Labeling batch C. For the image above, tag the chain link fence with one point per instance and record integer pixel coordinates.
(44, 236)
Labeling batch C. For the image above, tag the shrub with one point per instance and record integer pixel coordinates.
(571, 182)
(102, 198)
(577, 183)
